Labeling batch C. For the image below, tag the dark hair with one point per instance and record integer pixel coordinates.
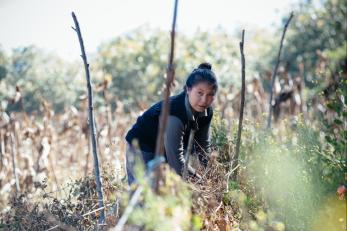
(203, 73)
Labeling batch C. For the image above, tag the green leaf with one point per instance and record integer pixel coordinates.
(197, 222)
(344, 135)
(338, 122)
(233, 185)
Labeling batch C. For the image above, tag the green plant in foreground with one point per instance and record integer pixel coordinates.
(336, 127)
(167, 210)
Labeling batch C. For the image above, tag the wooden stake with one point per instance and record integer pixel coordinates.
(275, 71)
(169, 80)
(170, 74)
(243, 89)
(91, 123)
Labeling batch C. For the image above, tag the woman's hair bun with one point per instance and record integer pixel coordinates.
(205, 66)
(202, 74)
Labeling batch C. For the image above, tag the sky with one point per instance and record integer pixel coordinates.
(47, 23)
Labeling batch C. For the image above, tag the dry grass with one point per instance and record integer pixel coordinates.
(52, 158)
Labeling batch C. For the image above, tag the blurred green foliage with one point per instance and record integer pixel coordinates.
(318, 31)
(169, 209)
(220, 138)
(335, 126)
(134, 64)
(293, 170)
(137, 62)
(3, 70)
(40, 76)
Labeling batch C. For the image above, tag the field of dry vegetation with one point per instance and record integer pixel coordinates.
(47, 181)
(290, 177)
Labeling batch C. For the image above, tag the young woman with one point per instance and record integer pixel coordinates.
(191, 109)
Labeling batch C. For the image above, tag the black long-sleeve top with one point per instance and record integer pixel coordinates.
(181, 120)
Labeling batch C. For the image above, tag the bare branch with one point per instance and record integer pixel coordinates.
(275, 71)
(91, 123)
(243, 87)
(14, 158)
(58, 224)
(170, 74)
(133, 201)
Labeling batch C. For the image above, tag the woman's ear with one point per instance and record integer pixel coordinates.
(188, 89)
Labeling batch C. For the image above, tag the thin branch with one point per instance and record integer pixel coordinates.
(91, 123)
(275, 71)
(58, 224)
(14, 158)
(133, 201)
(243, 89)
(228, 176)
(136, 195)
(219, 206)
(54, 227)
(88, 154)
(2, 148)
(170, 74)
(95, 210)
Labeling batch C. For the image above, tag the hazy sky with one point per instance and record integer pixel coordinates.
(47, 23)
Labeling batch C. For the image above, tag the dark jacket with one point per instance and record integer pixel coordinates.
(145, 129)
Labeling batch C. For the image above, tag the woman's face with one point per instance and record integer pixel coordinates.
(201, 96)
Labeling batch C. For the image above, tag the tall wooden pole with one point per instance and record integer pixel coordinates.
(170, 74)
(92, 124)
(275, 71)
(235, 161)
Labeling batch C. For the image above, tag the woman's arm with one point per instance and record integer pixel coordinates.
(203, 143)
(174, 148)
(173, 142)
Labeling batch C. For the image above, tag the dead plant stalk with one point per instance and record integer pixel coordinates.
(275, 71)
(170, 74)
(235, 161)
(91, 123)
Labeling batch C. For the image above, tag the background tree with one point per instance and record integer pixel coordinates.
(318, 30)
(137, 63)
(40, 75)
